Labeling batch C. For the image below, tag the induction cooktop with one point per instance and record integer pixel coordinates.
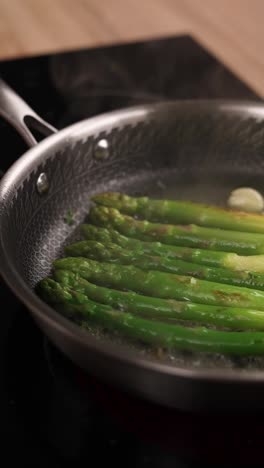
(53, 415)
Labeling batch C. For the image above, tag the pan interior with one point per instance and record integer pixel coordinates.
(184, 153)
(202, 186)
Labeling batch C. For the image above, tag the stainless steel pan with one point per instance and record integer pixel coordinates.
(199, 149)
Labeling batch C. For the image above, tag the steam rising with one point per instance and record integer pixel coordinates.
(99, 80)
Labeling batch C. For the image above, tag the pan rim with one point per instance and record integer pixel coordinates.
(255, 108)
(22, 291)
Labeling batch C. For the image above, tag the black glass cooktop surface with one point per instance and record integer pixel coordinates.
(51, 414)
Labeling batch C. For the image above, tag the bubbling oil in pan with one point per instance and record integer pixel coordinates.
(198, 186)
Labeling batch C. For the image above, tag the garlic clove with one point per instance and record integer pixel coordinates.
(246, 199)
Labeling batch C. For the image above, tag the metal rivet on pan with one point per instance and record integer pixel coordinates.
(102, 149)
(42, 183)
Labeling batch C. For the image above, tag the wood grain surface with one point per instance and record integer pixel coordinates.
(231, 29)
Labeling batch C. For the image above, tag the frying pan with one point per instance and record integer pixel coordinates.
(190, 149)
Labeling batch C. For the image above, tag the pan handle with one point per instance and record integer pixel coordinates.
(21, 116)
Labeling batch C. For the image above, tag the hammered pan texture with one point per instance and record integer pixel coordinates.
(35, 227)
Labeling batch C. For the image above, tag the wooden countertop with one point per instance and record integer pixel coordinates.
(232, 29)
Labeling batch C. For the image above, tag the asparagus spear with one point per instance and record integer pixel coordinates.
(232, 261)
(113, 253)
(162, 309)
(185, 212)
(151, 332)
(243, 243)
(163, 285)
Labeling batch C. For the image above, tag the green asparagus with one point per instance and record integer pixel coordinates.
(151, 332)
(243, 243)
(232, 261)
(182, 212)
(113, 253)
(162, 309)
(163, 285)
